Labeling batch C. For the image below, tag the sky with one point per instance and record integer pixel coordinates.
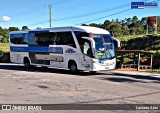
(35, 13)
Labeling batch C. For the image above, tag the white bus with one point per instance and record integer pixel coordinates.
(80, 48)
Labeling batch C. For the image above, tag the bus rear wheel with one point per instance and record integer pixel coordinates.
(27, 63)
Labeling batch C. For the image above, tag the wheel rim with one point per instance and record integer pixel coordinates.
(27, 64)
(73, 68)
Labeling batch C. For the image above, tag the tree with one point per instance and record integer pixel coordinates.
(144, 21)
(107, 24)
(13, 29)
(128, 21)
(25, 28)
(116, 29)
(134, 25)
(158, 25)
(84, 25)
(94, 25)
(117, 20)
(4, 35)
(134, 19)
(125, 30)
(132, 30)
(4, 40)
(123, 22)
(1, 37)
(140, 30)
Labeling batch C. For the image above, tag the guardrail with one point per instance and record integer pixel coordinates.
(135, 64)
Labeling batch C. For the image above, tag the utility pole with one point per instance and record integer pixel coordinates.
(50, 15)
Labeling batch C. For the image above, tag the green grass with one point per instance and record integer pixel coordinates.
(154, 71)
(126, 38)
(4, 47)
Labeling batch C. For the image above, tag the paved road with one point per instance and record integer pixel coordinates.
(19, 85)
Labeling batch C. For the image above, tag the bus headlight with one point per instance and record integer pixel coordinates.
(108, 64)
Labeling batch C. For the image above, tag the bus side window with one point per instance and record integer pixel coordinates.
(19, 38)
(53, 37)
(58, 41)
(65, 38)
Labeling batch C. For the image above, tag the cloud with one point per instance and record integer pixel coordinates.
(5, 19)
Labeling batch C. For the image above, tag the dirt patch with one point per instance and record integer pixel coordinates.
(42, 86)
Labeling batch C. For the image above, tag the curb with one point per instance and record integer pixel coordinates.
(137, 73)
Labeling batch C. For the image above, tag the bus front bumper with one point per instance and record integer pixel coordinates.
(105, 65)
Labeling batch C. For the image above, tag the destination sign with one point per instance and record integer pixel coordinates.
(142, 5)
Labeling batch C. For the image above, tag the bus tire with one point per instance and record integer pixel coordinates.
(73, 67)
(27, 63)
(93, 72)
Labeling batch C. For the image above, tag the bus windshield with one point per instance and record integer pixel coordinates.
(104, 47)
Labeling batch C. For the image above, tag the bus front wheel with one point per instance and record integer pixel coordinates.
(93, 72)
(73, 67)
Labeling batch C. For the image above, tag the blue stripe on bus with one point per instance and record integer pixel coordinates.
(58, 50)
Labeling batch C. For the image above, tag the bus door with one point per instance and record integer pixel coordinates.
(85, 58)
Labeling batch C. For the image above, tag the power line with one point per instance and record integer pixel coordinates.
(27, 11)
(89, 20)
(64, 9)
(104, 17)
(83, 4)
(46, 21)
(91, 13)
(108, 15)
(33, 10)
(87, 14)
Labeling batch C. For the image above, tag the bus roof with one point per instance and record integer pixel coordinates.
(87, 29)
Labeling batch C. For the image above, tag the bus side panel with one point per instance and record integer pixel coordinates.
(37, 58)
(18, 57)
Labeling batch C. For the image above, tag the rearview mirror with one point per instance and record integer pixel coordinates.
(116, 42)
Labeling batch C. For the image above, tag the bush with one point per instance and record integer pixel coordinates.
(157, 53)
(5, 57)
(4, 47)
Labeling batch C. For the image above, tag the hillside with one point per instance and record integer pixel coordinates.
(148, 43)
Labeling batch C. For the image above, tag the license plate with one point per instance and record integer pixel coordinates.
(106, 67)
